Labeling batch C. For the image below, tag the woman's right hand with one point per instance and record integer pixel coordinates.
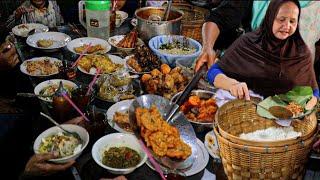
(240, 90)
(207, 56)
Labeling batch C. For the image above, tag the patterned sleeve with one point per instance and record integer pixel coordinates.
(59, 17)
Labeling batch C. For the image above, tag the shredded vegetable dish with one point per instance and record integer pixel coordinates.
(121, 157)
(62, 143)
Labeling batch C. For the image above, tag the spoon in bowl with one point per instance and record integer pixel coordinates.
(57, 124)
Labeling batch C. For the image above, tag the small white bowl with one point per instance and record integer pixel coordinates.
(47, 83)
(84, 135)
(117, 140)
(119, 20)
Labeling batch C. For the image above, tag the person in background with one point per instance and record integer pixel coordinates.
(8, 56)
(46, 12)
(233, 18)
(270, 60)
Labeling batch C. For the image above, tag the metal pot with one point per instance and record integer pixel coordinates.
(150, 24)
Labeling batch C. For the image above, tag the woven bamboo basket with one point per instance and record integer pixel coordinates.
(192, 20)
(243, 159)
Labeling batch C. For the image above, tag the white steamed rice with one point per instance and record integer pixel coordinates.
(271, 134)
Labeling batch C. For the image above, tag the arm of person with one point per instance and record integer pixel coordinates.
(220, 80)
(8, 57)
(228, 15)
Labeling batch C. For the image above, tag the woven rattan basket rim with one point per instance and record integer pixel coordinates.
(265, 149)
(238, 140)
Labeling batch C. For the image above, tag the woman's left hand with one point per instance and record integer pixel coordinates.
(311, 103)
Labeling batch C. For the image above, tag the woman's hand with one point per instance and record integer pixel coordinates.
(8, 56)
(38, 165)
(207, 56)
(311, 103)
(240, 90)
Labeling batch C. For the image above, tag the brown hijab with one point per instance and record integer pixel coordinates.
(269, 65)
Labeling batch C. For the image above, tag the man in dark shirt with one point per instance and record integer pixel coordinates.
(223, 26)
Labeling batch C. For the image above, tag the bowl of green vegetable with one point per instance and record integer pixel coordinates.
(119, 153)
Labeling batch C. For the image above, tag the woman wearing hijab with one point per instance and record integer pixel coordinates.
(46, 12)
(232, 18)
(271, 60)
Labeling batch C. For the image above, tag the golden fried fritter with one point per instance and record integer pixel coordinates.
(163, 138)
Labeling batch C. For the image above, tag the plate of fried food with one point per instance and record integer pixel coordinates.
(165, 82)
(48, 41)
(98, 46)
(143, 61)
(294, 100)
(22, 30)
(126, 42)
(173, 143)
(117, 87)
(200, 107)
(118, 116)
(107, 64)
(41, 66)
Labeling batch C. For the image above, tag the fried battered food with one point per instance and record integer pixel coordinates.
(165, 68)
(122, 119)
(295, 108)
(134, 64)
(44, 43)
(144, 60)
(199, 110)
(42, 67)
(130, 40)
(92, 49)
(166, 82)
(163, 138)
(101, 62)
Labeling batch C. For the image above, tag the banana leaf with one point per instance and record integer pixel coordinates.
(299, 94)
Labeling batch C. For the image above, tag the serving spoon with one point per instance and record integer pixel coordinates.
(279, 112)
(76, 135)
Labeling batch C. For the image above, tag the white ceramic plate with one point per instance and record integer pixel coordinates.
(130, 69)
(211, 144)
(86, 40)
(114, 40)
(83, 133)
(47, 83)
(23, 66)
(202, 159)
(121, 106)
(117, 140)
(59, 40)
(115, 59)
(22, 30)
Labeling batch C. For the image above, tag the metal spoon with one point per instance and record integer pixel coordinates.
(186, 92)
(57, 124)
(277, 111)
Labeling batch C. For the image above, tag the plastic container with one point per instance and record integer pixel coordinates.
(97, 15)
